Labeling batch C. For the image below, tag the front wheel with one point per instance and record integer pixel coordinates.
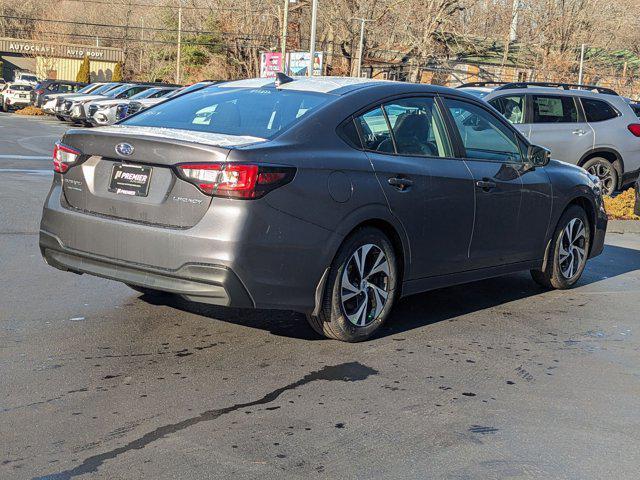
(568, 252)
(360, 288)
(605, 171)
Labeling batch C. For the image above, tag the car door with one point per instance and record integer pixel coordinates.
(558, 124)
(429, 191)
(491, 151)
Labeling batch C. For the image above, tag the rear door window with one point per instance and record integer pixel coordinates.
(376, 135)
(598, 110)
(554, 109)
(417, 127)
(511, 107)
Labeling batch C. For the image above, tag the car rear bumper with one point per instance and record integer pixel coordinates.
(214, 284)
(241, 253)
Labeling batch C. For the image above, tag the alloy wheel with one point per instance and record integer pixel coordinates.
(572, 254)
(365, 285)
(604, 172)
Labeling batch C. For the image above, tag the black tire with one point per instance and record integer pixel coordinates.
(332, 321)
(605, 171)
(553, 275)
(148, 291)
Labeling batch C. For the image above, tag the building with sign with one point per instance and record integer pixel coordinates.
(56, 60)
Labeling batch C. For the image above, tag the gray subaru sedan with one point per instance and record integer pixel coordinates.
(334, 197)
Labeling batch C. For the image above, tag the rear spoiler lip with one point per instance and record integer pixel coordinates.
(146, 149)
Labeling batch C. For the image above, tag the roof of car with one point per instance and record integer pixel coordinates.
(336, 85)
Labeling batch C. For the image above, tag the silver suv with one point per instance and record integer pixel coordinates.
(592, 127)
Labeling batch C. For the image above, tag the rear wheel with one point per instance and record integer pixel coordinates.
(360, 288)
(568, 252)
(605, 171)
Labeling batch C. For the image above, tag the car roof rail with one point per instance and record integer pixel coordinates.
(564, 86)
(482, 84)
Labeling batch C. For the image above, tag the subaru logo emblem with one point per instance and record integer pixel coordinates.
(124, 149)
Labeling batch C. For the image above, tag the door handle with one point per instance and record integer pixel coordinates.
(579, 132)
(486, 184)
(399, 183)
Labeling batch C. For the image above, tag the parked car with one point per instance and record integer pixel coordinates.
(81, 110)
(50, 87)
(330, 196)
(64, 108)
(15, 96)
(50, 101)
(25, 77)
(135, 106)
(61, 110)
(104, 112)
(592, 127)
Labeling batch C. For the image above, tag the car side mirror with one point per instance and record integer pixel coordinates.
(539, 156)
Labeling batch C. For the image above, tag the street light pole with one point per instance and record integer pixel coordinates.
(312, 42)
(581, 64)
(285, 27)
(361, 46)
(179, 42)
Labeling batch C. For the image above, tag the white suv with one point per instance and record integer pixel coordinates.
(16, 95)
(589, 126)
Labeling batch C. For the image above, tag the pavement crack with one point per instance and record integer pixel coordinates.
(344, 372)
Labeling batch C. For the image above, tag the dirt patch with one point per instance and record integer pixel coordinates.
(30, 110)
(621, 206)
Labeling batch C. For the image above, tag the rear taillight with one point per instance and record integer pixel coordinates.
(64, 157)
(235, 180)
(635, 129)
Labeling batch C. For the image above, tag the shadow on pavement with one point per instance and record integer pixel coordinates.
(419, 310)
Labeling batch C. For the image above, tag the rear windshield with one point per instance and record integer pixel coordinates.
(260, 112)
(21, 88)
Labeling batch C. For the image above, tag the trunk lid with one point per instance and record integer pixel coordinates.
(149, 156)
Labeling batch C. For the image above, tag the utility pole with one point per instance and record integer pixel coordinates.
(179, 41)
(361, 46)
(581, 64)
(312, 43)
(141, 42)
(513, 29)
(285, 27)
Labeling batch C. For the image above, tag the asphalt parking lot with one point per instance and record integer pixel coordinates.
(490, 380)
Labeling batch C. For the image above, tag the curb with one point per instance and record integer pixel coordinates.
(623, 226)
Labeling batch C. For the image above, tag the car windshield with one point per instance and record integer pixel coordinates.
(88, 88)
(103, 89)
(150, 92)
(260, 112)
(117, 91)
(29, 78)
(21, 88)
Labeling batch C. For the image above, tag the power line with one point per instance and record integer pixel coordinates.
(155, 5)
(133, 27)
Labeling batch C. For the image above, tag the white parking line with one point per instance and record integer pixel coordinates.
(30, 171)
(26, 157)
